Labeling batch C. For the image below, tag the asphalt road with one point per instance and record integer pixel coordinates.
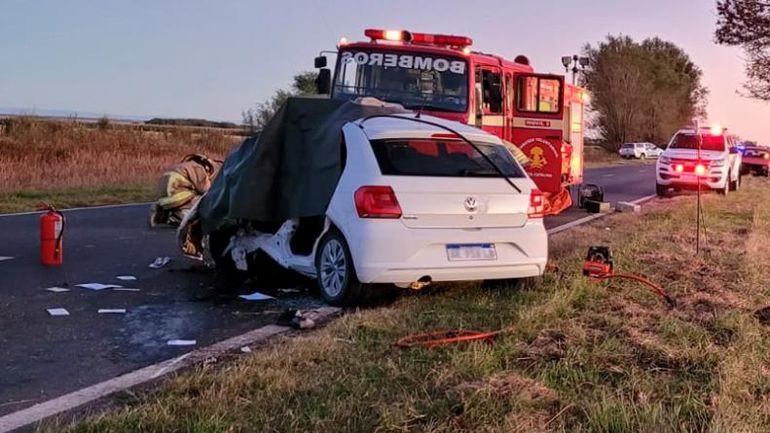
(42, 357)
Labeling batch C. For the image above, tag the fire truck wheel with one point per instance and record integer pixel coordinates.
(661, 190)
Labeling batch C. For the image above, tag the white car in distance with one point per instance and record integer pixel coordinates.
(639, 150)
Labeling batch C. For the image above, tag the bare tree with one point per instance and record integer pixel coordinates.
(746, 23)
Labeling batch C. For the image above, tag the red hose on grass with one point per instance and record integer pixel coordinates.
(656, 289)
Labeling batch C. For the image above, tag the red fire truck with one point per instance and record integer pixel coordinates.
(441, 76)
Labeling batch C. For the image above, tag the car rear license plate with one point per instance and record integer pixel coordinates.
(460, 252)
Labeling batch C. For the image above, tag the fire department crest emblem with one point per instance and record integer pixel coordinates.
(536, 157)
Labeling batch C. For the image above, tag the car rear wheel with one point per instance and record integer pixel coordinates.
(735, 185)
(336, 275)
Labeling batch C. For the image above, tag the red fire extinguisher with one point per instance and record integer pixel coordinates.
(51, 233)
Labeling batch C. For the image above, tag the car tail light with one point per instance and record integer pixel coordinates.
(377, 202)
(536, 204)
(679, 168)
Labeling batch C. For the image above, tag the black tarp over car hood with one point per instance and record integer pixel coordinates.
(289, 170)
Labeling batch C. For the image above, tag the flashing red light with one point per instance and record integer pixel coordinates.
(451, 40)
(536, 205)
(679, 168)
(419, 38)
(377, 202)
(388, 35)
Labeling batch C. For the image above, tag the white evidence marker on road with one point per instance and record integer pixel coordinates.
(160, 262)
(98, 286)
(256, 296)
(58, 311)
(57, 289)
(126, 277)
(112, 311)
(181, 342)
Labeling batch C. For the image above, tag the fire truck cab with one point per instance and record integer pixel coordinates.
(440, 75)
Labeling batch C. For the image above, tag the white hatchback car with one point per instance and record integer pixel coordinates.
(417, 204)
(680, 168)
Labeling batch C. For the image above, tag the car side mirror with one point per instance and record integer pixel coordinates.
(320, 62)
(323, 81)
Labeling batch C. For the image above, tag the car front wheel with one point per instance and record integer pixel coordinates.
(336, 275)
(661, 190)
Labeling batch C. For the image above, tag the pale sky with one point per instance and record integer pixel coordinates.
(211, 59)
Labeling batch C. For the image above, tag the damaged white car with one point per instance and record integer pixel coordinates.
(392, 197)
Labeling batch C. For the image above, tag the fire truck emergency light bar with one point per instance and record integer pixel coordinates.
(418, 38)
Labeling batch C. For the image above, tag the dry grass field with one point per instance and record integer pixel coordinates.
(70, 163)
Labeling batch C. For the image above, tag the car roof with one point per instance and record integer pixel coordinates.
(392, 127)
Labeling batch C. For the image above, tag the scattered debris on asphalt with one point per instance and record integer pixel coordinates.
(57, 289)
(181, 342)
(98, 286)
(126, 277)
(299, 319)
(112, 311)
(160, 262)
(256, 296)
(58, 312)
(290, 290)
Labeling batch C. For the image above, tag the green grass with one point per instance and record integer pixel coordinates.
(28, 200)
(580, 357)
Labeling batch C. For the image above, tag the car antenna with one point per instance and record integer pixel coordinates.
(422, 106)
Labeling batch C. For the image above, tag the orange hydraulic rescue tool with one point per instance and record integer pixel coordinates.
(598, 266)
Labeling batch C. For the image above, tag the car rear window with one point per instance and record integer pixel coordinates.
(690, 141)
(627, 146)
(442, 157)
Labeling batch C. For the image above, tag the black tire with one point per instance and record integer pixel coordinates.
(336, 274)
(661, 190)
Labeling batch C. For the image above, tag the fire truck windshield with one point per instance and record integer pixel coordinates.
(414, 80)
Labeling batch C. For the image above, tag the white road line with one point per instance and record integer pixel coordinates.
(107, 206)
(70, 401)
(608, 175)
(4, 258)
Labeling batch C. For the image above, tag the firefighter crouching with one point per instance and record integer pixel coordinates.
(181, 187)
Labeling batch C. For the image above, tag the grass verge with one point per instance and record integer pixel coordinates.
(27, 200)
(583, 356)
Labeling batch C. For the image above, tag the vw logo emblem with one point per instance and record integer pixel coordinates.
(471, 204)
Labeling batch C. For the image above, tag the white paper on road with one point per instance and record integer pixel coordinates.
(58, 312)
(126, 277)
(4, 258)
(98, 286)
(57, 289)
(246, 349)
(256, 296)
(181, 342)
(125, 289)
(112, 311)
(160, 262)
